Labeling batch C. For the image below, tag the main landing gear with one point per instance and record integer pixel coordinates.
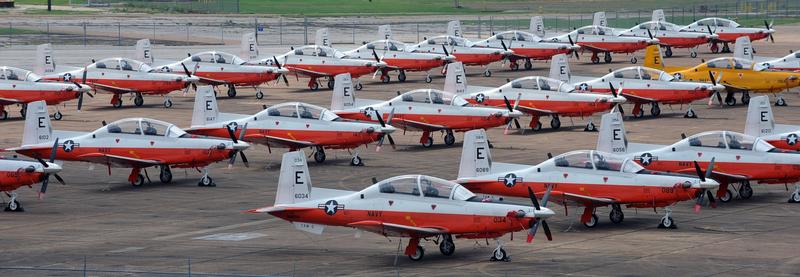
(319, 154)
(725, 193)
(231, 91)
(426, 140)
(616, 215)
(668, 52)
(166, 174)
(13, 204)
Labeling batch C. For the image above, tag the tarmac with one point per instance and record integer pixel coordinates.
(102, 224)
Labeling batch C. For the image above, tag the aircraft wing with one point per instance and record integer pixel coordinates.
(506, 167)
(642, 147)
(399, 122)
(635, 98)
(9, 101)
(584, 200)
(230, 116)
(66, 134)
(391, 229)
(716, 174)
(474, 89)
(118, 161)
(112, 89)
(210, 81)
(366, 102)
(323, 193)
(593, 48)
(530, 110)
(580, 79)
(309, 73)
(271, 209)
(785, 128)
(272, 140)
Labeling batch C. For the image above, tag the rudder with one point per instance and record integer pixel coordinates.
(37, 124)
(476, 159)
(205, 106)
(45, 63)
(559, 68)
(760, 121)
(294, 182)
(653, 58)
(456, 80)
(611, 137)
(144, 51)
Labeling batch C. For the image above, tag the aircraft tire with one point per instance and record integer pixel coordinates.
(616, 215)
(727, 197)
(166, 175)
(57, 115)
(418, 255)
(592, 221)
(746, 191)
(499, 255)
(449, 139)
(139, 181)
(667, 223)
(447, 247)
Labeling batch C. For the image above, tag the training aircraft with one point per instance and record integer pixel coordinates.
(539, 96)
(737, 74)
(15, 174)
(293, 125)
(464, 50)
(323, 61)
(397, 58)
(728, 31)
(217, 68)
(598, 38)
(789, 62)
(737, 158)
(670, 35)
(526, 46)
(643, 85)
(586, 178)
(20, 86)
(136, 143)
(118, 76)
(427, 110)
(417, 207)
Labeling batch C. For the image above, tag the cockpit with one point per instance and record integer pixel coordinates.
(319, 51)
(540, 83)
(730, 63)
(420, 186)
(516, 36)
(431, 96)
(728, 140)
(385, 44)
(140, 126)
(18, 74)
(214, 57)
(595, 30)
(715, 21)
(639, 73)
(657, 25)
(123, 64)
(448, 40)
(299, 110)
(595, 160)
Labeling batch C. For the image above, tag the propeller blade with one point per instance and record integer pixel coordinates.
(80, 100)
(186, 70)
(391, 115)
(42, 162)
(375, 55)
(508, 104)
(699, 172)
(45, 181)
(53, 151)
(504, 45)
(711, 77)
(516, 123)
(275, 59)
(60, 180)
(649, 34)
(391, 141)
(547, 230)
(286, 81)
(709, 30)
(532, 196)
(83, 80)
(711, 199)
(232, 135)
(380, 118)
(244, 159)
(446, 53)
(242, 133)
(710, 168)
(613, 91)
(570, 40)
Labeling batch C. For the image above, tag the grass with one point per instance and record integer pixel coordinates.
(57, 12)
(14, 31)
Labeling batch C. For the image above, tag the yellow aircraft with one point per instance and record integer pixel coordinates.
(736, 74)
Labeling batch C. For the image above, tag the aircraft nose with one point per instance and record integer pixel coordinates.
(713, 36)
(653, 41)
(51, 168)
(449, 58)
(708, 184)
(388, 129)
(718, 87)
(240, 145)
(514, 114)
(542, 213)
(618, 99)
(508, 52)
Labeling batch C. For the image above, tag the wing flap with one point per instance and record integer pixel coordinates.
(391, 229)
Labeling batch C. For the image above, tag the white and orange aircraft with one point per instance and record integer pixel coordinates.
(136, 143)
(427, 110)
(417, 207)
(598, 38)
(323, 61)
(643, 85)
(397, 58)
(586, 178)
(218, 68)
(19, 86)
(293, 125)
(15, 174)
(464, 50)
(728, 31)
(670, 35)
(118, 76)
(737, 158)
(539, 96)
(526, 46)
